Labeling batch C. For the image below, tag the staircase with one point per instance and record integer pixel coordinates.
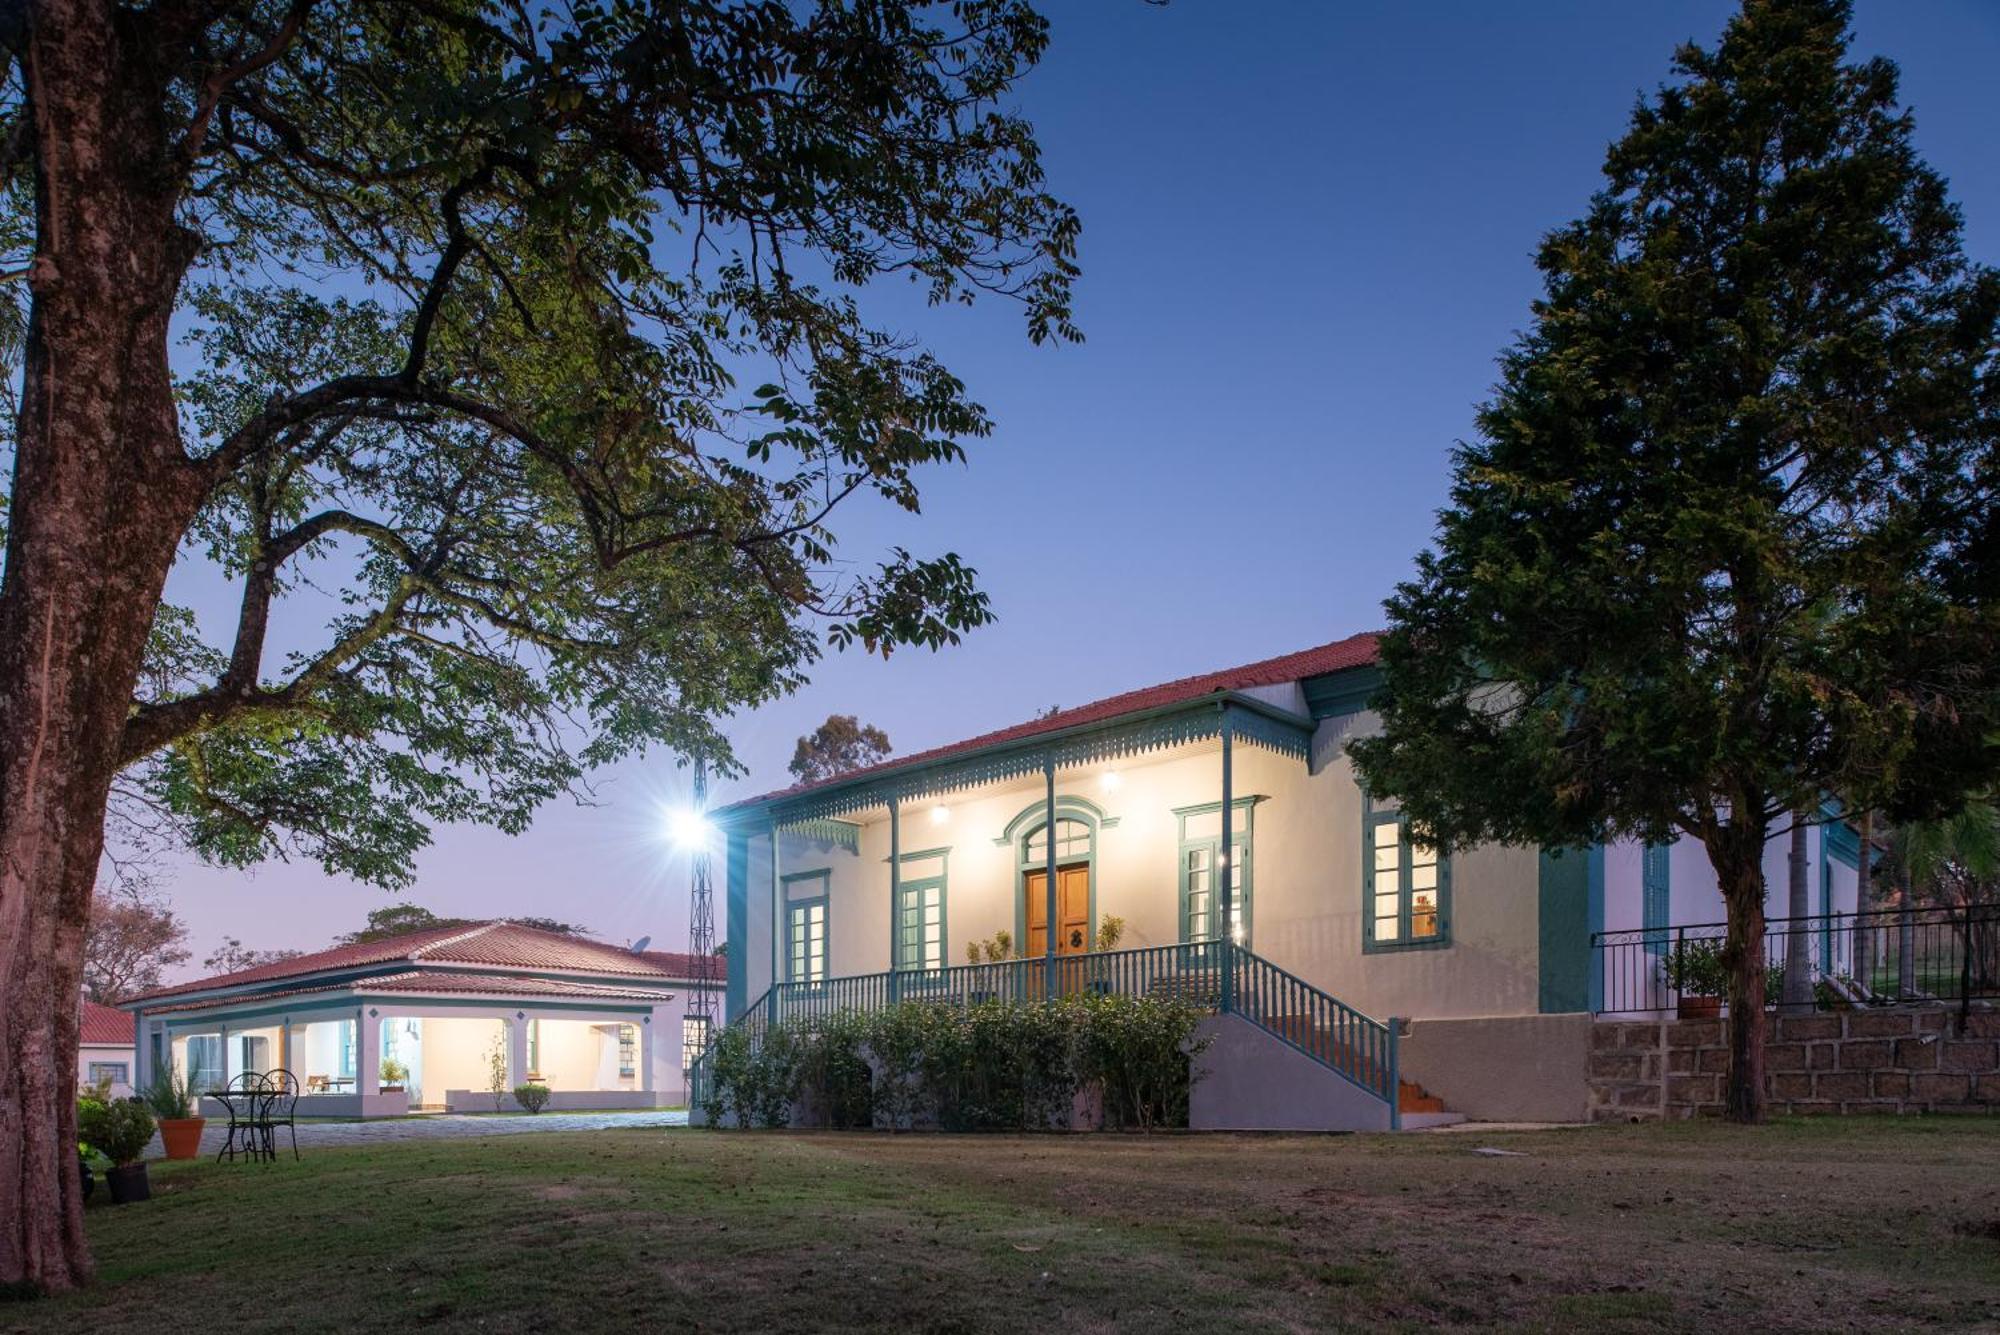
(1226, 979)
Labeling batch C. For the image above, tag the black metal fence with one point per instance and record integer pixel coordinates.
(1874, 958)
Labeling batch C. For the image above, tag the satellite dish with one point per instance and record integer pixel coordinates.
(642, 943)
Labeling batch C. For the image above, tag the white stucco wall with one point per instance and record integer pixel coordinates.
(1306, 870)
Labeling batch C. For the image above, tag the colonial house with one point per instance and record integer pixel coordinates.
(429, 1020)
(1207, 837)
(104, 1051)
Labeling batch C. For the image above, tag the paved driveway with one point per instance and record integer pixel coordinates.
(440, 1126)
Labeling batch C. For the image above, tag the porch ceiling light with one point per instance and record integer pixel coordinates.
(1110, 781)
(689, 828)
(940, 814)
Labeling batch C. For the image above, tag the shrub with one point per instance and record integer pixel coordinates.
(119, 1130)
(393, 1072)
(1695, 969)
(989, 1066)
(171, 1096)
(532, 1097)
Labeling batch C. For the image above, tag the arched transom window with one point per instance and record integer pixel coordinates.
(1072, 842)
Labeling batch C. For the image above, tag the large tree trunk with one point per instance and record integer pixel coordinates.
(102, 494)
(1737, 854)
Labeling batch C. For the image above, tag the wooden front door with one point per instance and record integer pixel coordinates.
(1072, 911)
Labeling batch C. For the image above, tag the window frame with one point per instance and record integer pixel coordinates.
(1656, 890)
(1373, 819)
(1243, 865)
(796, 906)
(121, 1072)
(908, 893)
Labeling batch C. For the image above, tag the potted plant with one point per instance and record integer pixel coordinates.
(172, 1100)
(1694, 970)
(394, 1073)
(119, 1131)
(1110, 931)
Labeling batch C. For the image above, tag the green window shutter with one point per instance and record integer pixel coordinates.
(1656, 908)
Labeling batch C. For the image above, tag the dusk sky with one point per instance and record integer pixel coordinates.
(1308, 231)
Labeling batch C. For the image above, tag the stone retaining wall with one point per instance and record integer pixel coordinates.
(1908, 1059)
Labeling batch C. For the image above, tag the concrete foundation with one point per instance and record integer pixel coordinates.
(1249, 1080)
(1505, 1068)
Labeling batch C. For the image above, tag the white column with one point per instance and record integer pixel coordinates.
(285, 1044)
(229, 1071)
(517, 1050)
(645, 1052)
(367, 1052)
(141, 1076)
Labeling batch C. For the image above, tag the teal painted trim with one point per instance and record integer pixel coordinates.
(1656, 896)
(909, 901)
(1066, 805)
(1136, 733)
(1826, 901)
(922, 853)
(1341, 693)
(794, 918)
(816, 874)
(839, 833)
(1594, 876)
(1081, 810)
(1243, 866)
(1562, 948)
(1373, 821)
(1842, 843)
(736, 919)
(391, 1000)
(1210, 808)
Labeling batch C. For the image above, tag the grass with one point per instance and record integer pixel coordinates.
(1800, 1225)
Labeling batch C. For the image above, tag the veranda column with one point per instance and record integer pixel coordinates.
(895, 885)
(1225, 868)
(1798, 989)
(285, 1044)
(1049, 842)
(778, 924)
(142, 1074)
(646, 1030)
(517, 1048)
(367, 1053)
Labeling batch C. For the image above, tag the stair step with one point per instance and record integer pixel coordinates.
(1412, 1099)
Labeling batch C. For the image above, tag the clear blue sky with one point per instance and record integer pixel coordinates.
(1307, 232)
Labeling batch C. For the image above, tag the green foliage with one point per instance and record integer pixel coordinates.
(171, 1095)
(530, 356)
(119, 1130)
(1695, 968)
(1110, 931)
(400, 919)
(1723, 542)
(992, 1066)
(393, 1072)
(839, 745)
(496, 1070)
(532, 1097)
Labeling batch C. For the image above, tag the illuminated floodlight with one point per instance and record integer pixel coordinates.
(689, 828)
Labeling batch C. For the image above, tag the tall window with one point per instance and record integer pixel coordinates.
(1405, 886)
(349, 1034)
(694, 1039)
(920, 924)
(1655, 897)
(534, 1047)
(1200, 870)
(204, 1061)
(628, 1050)
(805, 934)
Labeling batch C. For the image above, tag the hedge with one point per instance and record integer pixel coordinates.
(991, 1066)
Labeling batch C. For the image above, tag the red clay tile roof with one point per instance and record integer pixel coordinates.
(497, 944)
(106, 1026)
(1352, 652)
(425, 981)
(680, 965)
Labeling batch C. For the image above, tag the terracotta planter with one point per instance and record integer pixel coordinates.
(182, 1136)
(1700, 1008)
(128, 1183)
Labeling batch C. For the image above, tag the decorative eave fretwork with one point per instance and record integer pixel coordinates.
(1251, 721)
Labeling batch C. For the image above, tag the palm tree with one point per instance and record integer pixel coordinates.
(1954, 864)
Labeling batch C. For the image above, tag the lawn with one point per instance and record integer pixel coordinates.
(1802, 1225)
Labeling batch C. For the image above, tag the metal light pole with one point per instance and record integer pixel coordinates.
(701, 926)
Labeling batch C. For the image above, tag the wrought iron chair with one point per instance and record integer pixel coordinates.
(243, 1096)
(278, 1107)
